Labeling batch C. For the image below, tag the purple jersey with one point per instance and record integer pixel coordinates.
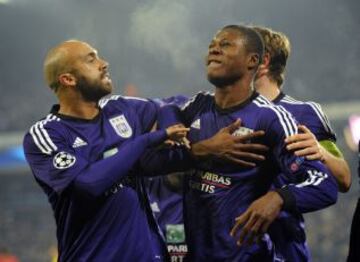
(166, 200)
(217, 192)
(88, 169)
(288, 230)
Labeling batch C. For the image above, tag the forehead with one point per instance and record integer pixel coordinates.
(230, 34)
(80, 49)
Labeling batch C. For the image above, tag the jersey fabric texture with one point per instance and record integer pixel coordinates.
(216, 192)
(288, 231)
(88, 169)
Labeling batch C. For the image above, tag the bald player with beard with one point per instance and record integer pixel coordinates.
(84, 156)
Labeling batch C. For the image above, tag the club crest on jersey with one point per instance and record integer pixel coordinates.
(241, 131)
(121, 126)
(63, 160)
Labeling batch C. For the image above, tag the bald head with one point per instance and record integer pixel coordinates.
(59, 60)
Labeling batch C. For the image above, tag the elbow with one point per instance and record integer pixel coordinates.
(344, 185)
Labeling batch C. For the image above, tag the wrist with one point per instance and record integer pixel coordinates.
(289, 201)
(201, 149)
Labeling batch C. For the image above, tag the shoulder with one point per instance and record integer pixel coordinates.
(271, 114)
(43, 133)
(199, 99)
(126, 102)
(312, 110)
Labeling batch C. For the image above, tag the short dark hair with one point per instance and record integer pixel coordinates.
(253, 40)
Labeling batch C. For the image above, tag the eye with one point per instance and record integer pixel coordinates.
(91, 59)
(225, 44)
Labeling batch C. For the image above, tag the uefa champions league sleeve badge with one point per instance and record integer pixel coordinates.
(63, 160)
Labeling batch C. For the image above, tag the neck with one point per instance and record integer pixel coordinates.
(234, 94)
(266, 87)
(74, 105)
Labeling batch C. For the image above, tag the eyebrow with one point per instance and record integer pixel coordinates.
(92, 54)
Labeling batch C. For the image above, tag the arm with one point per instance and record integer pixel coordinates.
(222, 145)
(313, 187)
(306, 144)
(82, 177)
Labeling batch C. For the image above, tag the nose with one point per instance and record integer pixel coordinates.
(104, 64)
(214, 49)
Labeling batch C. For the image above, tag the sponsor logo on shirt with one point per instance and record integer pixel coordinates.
(78, 142)
(63, 160)
(175, 239)
(121, 126)
(196, 124)
(177, 252)
(175, 233)
(207, 182)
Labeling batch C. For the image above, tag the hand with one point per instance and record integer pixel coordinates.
(255, 221)
(232, 148)
(305, 144)
(177, 133)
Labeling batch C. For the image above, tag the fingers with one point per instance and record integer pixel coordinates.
(232, 127)
(185, 142)
(249, 136)
(301, 144)
(316, 156)
(247, 230)
(304, 129)
(254, 233)
(251, 147)
(306, 151)
(239, 221)
(298, 138)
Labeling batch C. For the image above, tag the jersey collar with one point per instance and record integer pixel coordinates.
(236, 107)
(55, 110)
(278, 98)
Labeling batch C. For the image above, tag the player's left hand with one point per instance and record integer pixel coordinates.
(255, 221)
(305, 144)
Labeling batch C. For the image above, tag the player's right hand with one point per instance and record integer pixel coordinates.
(236, 149)
(177, 133)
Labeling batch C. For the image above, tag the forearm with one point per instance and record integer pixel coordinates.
(340, 170)
(162, 161)
(203, 149)
(317, 191)
(98, 177)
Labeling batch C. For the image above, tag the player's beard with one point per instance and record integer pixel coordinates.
(92, 91)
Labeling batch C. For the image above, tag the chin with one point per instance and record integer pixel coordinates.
(221, 81)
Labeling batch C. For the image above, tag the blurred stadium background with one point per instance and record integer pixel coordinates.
(156, 49)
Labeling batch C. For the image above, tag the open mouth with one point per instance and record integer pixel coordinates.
(213, 63)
